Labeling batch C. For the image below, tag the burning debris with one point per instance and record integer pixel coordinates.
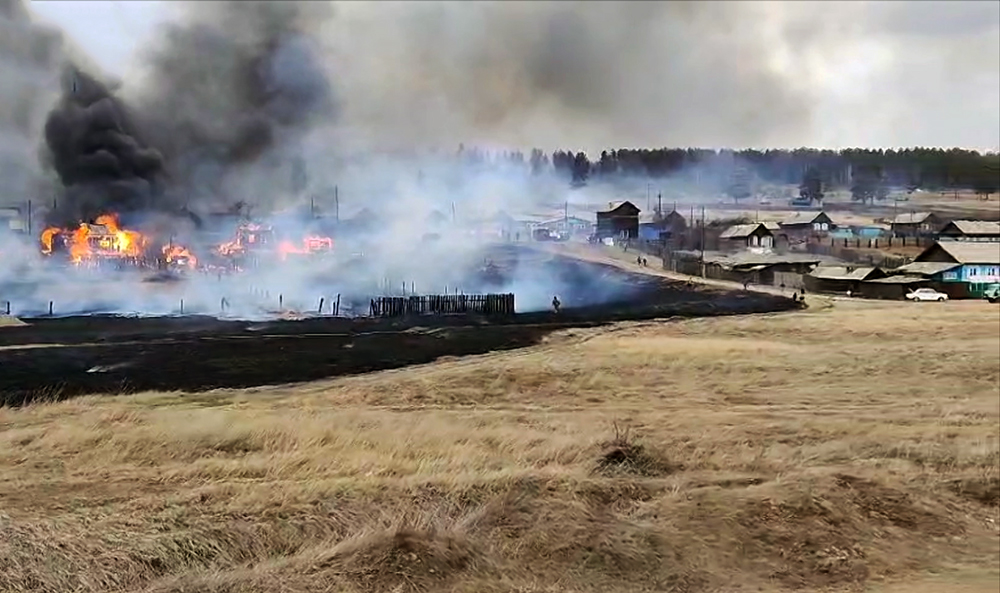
(104, 240)
(311, 245)
(94, 243)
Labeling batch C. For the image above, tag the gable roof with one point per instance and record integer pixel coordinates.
(912, 218)
(967, 252)
(741, 231)
(623, 208)
(926, 268)
(803, 218)
(975, 227)
(844, 273)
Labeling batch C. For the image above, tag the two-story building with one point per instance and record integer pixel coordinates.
(620, 221)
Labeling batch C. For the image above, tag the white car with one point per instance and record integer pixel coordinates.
(927, 294)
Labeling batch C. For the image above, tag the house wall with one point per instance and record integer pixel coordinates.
(976, 273)
(969, 280)
(789, 279)
(615, 226)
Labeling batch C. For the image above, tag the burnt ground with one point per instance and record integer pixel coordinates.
(58, 358)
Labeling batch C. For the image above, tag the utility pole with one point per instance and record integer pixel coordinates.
(336, 204)
(29, 218)
(659, 204)
(702, 241)
(647, 195)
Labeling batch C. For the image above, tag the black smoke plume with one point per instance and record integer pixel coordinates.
(221, 91)
(96, 150)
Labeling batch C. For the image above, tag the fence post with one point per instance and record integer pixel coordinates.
(8, 308)
(50, 308)
(337, 310)
(321, 301)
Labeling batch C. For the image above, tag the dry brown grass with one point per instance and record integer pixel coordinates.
(841, 448)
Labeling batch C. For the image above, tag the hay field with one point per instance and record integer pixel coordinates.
(851, 447)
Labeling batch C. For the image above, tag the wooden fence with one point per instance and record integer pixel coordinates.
(461, 304)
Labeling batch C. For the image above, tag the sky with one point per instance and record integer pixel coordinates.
(713, 74)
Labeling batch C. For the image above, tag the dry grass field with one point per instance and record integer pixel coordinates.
(850, 447)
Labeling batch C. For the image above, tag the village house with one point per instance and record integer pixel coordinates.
(619, 221)
(970, 230)
(745, 236)
(805, 224)
(916, 224)
(667, 230)
(961, 269)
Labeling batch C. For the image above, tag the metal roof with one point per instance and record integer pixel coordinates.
(926, 268)
(911, 218)
(802, 217)
(971, 252)
(740, 231)
(898, 280)
(747, 258)
(977, 227)
(842, 273)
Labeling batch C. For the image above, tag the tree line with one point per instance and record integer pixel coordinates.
(868, 173)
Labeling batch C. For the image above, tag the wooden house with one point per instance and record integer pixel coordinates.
(916, 224)
(961, 268)
(970, 230)
(619, 221)
(755, 234)
(805, 224)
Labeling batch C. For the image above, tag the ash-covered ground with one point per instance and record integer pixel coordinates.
(61, 357)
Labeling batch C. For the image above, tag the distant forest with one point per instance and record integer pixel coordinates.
(869, 174)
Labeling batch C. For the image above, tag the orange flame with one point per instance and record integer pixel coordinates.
(247, 235)
(179, 255)
(311, 244)
(48, 239)
(104, 238)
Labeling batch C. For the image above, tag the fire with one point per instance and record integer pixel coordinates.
(48, 239)
(179, 256)
(310, 245)
(248, 236)
(102, 239)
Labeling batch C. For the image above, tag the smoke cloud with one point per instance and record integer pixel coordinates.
(581, 74)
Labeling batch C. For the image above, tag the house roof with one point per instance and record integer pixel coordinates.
(977, 227)
(744, 259)
(898, 280)
(802, 218)
(926, 268)
(969, 252)
(626, 205)
(842, 273)
(741, 231)
(911, 218)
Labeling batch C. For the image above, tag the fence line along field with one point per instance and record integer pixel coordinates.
(849, 447)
